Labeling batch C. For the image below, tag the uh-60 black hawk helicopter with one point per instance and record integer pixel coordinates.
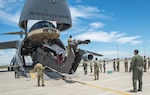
(41, 42)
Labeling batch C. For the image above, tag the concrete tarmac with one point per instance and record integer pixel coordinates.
(115, 83)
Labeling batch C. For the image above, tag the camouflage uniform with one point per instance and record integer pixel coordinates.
(69, 40)
(126, 64)
(39, 69)
(145, 64)
(114, 65)
(118, 65)
(137, 67)
(100, 66)
(104, 67)
(96, 70)
(130, 65)
(91, 67)
(85, 67)
(16, 70)
(148, 63)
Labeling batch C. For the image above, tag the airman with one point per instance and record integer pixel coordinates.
(96, 69)
(148, 63)
(137, 68)
(114, 65)
(69, 40)
(104, 66)
(91, 67)
(126, 64)
(118, 65)
(85, 67)
(145, 64)
(40, 75)
(16, 70)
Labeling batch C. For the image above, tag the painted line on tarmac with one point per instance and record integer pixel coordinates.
(102, 88)
(125, 89)
(115, 79)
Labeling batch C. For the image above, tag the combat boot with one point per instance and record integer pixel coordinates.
(135, 91)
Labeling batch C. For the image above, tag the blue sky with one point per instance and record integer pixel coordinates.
(107, 23)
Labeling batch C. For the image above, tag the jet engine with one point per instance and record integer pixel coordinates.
(87, 56)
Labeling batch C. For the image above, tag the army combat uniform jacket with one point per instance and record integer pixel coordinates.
(137, 68)
(39, 69)
(96, 70)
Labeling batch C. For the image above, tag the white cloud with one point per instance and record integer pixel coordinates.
(94, 36)
(86, 12)
(6, 56)
(10, 19)
(136, 42)
(97, 25)
(132, 40)
(10, 11)
(109, 37)
(1, 4)
(98, 36)
(113, 54)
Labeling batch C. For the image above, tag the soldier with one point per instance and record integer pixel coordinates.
(16, 70)
(148, 63)
(114, 65)
(85, 67)
(104, 67)
(145, 64)
(69, 40)
(137, 68)
(96, 69)
(100, 66)
(126, 64)
(39, 69)
(91, 67)
(118, 65)
(130, 65)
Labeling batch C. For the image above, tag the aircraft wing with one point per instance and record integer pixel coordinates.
(9, 44)
(96, 54)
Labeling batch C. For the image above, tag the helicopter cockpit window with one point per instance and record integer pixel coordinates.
(41, 24)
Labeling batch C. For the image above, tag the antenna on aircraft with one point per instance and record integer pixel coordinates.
(21, 33)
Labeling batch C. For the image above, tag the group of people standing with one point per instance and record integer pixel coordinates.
(118, 65)
(138, 65)
(126, 64)
(97, 67)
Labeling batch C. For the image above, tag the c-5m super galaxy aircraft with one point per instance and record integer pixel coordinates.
(42, 43)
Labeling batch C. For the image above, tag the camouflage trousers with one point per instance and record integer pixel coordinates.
(40, 77)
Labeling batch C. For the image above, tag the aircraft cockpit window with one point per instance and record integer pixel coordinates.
(41, 24)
